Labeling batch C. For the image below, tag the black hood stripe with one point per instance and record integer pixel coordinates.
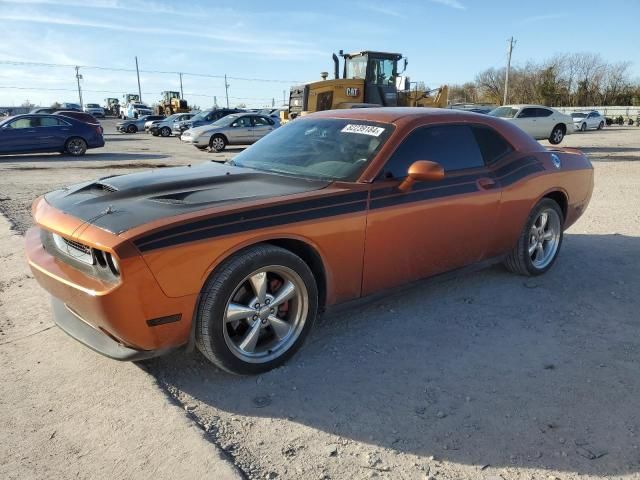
(326, 207)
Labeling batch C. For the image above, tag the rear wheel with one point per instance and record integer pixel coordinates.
(557, 134)
(256, 310)
(165, 131)
(75, 146)
(217, 143)
(539, 242)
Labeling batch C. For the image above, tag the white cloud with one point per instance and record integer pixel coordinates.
(145, 6)
(451, 3)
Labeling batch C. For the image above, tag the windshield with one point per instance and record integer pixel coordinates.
(504, 112)
(337, 149)
(579, 115)
(93, 105)
(201, 116)
(225, 121)
(140, 105)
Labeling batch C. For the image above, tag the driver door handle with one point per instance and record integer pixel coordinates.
(486, 183)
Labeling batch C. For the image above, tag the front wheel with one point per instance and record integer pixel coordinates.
(165, 131)
(583, 127)
(256, 310)
(557, 134)
(217, 143)
(132, 129)
(601, 126)
(76, 147)
(539, 242)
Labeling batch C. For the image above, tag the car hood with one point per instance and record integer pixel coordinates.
(119, 203)
(196, 131)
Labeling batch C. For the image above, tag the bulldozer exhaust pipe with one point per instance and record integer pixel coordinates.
(336, 66)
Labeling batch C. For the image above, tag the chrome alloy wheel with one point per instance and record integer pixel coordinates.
(76, 146)
(217, 143)
(544, 238)
(557, 135)
(265, 314)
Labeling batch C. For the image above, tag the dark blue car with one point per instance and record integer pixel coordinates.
(48, 133)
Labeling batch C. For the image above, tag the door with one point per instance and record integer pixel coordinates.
(527, 120)
(436, 226)
(52, 132)
(241, 131)
(545, 121)
(593, 119)
(18, 136)
(261, 127)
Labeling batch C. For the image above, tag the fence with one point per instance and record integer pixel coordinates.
(612, 112)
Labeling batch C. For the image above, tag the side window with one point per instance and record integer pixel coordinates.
(452, 146)
(49, 122)
(260, 122)
(243, 122)
(492, 145)
(527, 113)
(23, 123)
(543, 112)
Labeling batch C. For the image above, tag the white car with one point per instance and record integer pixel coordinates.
(94, 109)
(538, 121)
(588, 120)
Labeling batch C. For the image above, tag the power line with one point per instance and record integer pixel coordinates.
(132, 70)
(189, 94)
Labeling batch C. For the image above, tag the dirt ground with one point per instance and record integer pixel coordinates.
(485, 376)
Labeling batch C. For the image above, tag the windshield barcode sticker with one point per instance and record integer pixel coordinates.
(363, 129)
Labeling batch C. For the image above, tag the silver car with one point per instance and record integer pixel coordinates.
(592, 120)
(234, 129)
(136, 125)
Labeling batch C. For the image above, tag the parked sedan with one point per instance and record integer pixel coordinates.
(538, 121)
(48, 133)
(234, 129)
(239, 259)
(164, 128)
(94, 109)
(584, 121)
(134, 125)
(206, 117)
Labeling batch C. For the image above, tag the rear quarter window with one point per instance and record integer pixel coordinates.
(492, 145)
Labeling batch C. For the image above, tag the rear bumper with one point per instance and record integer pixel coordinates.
(74, 326)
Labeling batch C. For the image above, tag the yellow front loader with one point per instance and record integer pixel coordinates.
(368, 79)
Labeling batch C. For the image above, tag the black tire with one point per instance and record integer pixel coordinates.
(519, 260)
(202, 149)
(217, 143)
(165, 132)
(601, 126)
(218, 291)
(132, 129)
(75, 146)
(155, 133)
(557, 134)
(583, 127)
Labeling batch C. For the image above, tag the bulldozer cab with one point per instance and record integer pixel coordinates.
(168, 96)
(379, 70)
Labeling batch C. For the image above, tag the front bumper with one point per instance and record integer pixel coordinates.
(196, 141)
(76, 327)
(131, 311)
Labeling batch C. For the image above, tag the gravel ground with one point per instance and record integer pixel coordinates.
(487, 376)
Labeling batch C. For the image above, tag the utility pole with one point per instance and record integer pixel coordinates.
(512, 42)
(138, 74)
(215, 101)
(181, 92)
(226, 89)
(284, 97)
(78, 78)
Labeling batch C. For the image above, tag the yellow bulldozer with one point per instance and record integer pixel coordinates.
(171, 103)
(368, 79)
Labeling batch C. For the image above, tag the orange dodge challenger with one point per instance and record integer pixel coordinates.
(239, 258)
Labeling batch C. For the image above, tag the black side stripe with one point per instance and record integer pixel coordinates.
(252, 214)
(264, 222)
(331, 206)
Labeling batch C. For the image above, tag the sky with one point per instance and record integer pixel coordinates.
(284, 42)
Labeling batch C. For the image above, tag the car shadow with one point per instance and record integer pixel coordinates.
(487, 369)
(88, 157)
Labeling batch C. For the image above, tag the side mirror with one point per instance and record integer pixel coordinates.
(421, 171)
